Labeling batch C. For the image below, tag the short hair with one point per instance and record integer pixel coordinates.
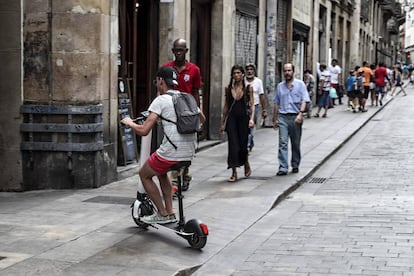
(250, 65)
(291, 64)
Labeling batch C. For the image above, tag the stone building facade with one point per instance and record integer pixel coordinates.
(73, 65)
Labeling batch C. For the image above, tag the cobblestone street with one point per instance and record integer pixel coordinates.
(355, 215)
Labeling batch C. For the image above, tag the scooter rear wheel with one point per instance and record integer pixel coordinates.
(196, 241)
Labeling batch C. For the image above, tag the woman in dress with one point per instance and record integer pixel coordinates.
(237, 118)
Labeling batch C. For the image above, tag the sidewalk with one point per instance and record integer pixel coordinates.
(91, 232)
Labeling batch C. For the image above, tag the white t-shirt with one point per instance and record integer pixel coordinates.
(257, 85)
(326, 76)
(389, 74)
(163, 105)
(335, 71)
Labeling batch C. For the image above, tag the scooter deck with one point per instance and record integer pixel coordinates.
(173, 227)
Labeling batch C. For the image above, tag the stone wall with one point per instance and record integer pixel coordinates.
(11, 95)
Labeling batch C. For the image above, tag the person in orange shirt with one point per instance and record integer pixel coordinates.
(368, 74)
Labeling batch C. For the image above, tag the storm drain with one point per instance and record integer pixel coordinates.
(111, 200)
(1, 258)
(317, 180)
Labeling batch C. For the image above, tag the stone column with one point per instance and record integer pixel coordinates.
(355, 41)
(222, 59)
(70, 54)
(10, 96)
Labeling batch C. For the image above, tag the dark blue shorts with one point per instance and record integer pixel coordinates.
(324, 99)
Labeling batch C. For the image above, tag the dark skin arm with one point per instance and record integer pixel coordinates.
(196, 96)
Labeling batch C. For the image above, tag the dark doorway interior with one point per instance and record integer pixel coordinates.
(138, 44)
(138, 36)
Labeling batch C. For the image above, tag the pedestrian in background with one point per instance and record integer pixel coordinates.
(351, 91)
(258, 96)
(380, 81)
(309, 81)
(189, 81)
(373, 94)
(367, 74)
(361, 89)
(290, 100)
(323, 91)
(237, 118)
(397, 80)
(336, 79)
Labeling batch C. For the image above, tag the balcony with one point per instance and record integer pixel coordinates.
(392, 26)
(365, 9)
(391, 6)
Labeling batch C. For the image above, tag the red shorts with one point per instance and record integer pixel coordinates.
(159, 164)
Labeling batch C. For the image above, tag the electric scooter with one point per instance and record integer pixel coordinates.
(194, 231)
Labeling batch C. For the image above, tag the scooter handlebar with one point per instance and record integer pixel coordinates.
(141, 119)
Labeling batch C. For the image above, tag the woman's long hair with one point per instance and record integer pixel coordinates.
(235, 67)
(245, 93)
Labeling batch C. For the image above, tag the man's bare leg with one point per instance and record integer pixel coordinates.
(146, 174)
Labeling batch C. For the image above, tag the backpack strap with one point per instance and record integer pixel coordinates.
(171, 121)
(171, 142)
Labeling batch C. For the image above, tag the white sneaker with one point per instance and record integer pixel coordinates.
(157, 218)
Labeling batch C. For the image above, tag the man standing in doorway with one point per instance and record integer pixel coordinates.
(336, 79)
(258, 96)
(290, 100)
(189, 81)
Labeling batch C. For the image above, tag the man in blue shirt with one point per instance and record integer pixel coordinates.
(290, 99)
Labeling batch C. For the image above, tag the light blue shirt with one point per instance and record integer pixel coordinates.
(290, 100)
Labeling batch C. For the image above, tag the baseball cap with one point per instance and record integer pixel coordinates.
(169, 75)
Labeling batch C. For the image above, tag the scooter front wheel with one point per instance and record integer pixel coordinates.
(138, 222)
(196, 241)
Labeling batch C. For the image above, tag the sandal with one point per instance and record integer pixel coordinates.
(324, 115)
(233, 178)
(247, 170)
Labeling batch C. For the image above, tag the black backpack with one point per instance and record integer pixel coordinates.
(186, 110)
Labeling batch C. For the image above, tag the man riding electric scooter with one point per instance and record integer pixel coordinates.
(166, 156)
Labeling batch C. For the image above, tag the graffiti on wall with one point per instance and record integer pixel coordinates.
(271, 53)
